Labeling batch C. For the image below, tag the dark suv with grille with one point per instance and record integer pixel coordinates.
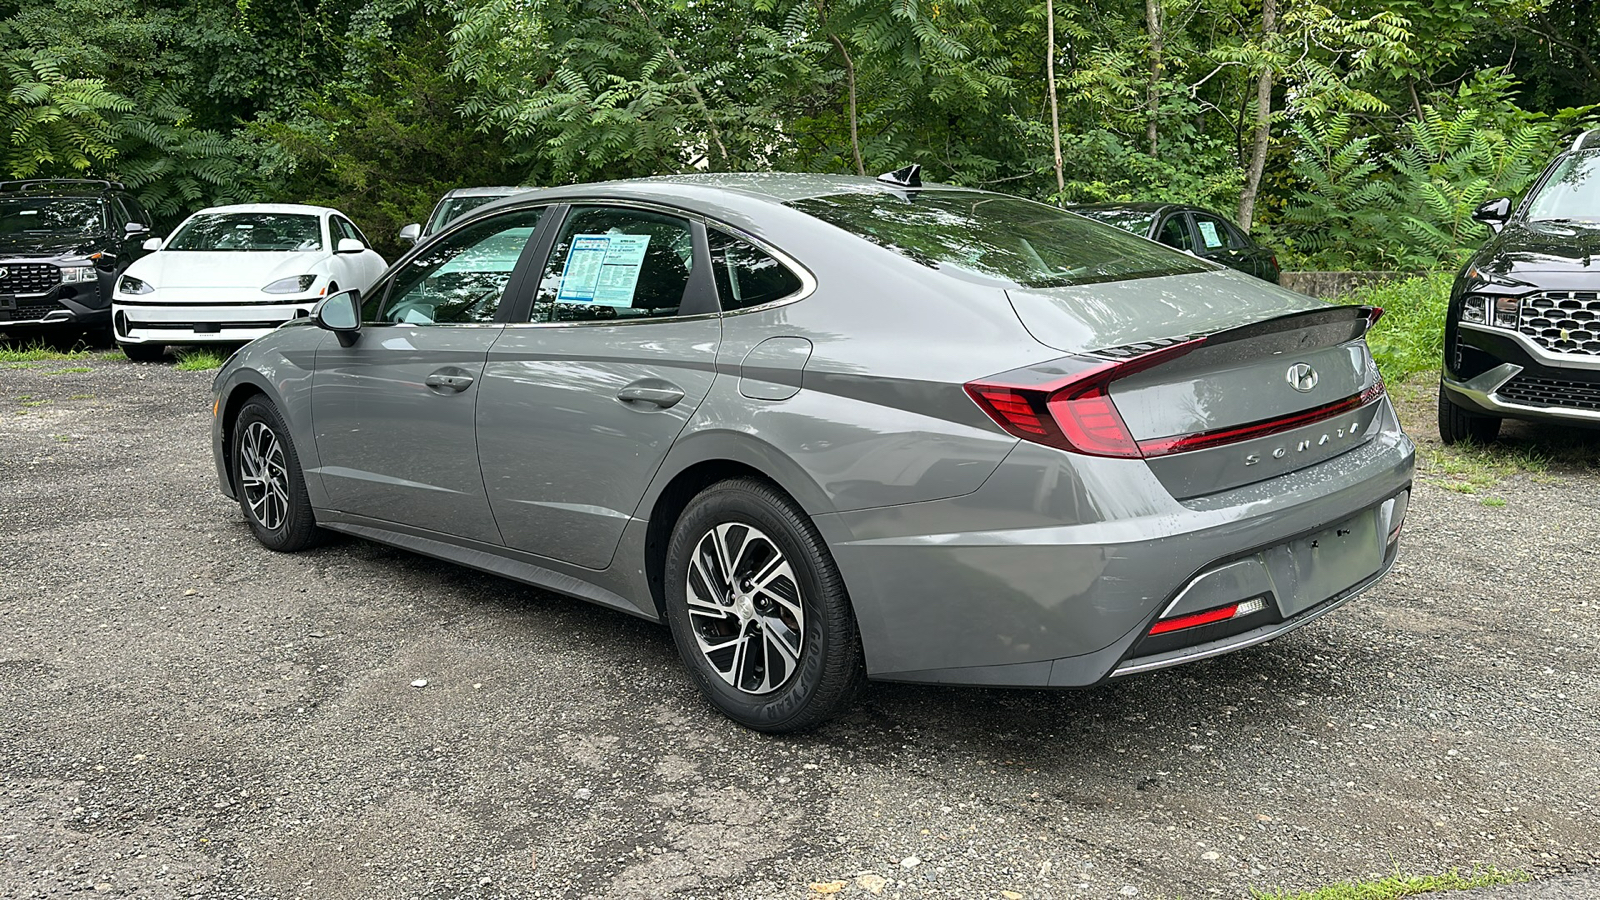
(63, 242)
(1522, 338)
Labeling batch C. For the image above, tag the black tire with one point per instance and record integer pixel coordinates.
(1458, 424)
(144, 352)
(277, 509)
(829, 671)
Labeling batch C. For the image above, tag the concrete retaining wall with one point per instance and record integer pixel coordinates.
(1328, 285)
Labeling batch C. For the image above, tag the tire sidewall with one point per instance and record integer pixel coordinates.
(284, 536)
(735, 505)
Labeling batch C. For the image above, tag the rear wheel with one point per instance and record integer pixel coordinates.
(268, 479)
(144, 352)
(758, 609)
(1457, 424)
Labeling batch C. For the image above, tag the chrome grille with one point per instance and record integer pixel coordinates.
(28, 278)
(1530, 391)
(1563, 321)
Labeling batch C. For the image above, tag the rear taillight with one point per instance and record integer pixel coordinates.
(1077, 413)
(1073, 413)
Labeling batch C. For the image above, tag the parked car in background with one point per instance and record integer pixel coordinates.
(231, 274)
(835, 428)
(63, 243)
(1522, 337)
(452, 206)
(1190, 229)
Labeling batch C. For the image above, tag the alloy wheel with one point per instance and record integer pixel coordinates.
(264, 476)
(745, 608)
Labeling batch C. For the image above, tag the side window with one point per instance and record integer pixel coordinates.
(746, 275)
(459, 280)
(119, 216)
(1175, 233)
(1214, 233)
(612, 263)
(346, 228)
(137, 211)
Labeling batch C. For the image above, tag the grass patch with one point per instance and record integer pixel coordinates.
(81, 397)
(39, 351)
(1410, 336)
(198, 360)
(1469, 468)
(72, 370)
(1397, 885)
(29, 401)
(1494, 502)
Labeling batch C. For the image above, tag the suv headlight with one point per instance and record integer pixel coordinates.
(77, 274)
(297, 284)
(134, 286)
(1501, 312)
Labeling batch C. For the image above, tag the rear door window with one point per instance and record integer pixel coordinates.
(611, 263)
(746, 275)
(1175, 232)
(1215, 234)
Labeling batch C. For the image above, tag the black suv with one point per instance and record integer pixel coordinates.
(63, 242)
(1522, 337)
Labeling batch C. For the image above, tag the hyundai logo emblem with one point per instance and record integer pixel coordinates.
(1302, 377)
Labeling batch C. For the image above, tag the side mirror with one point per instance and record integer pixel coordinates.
(411, 233)
(133, 228)
(341, 314)
(1494, 213)
(153, 244)
(349, 245)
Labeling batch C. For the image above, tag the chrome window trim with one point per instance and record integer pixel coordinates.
(1553, 360)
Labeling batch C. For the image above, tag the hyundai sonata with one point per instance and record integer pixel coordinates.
(834, 429)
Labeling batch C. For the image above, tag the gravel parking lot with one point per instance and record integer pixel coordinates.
(183, 713)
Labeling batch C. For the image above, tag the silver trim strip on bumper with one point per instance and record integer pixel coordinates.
(1249, 638)
(1480, 391)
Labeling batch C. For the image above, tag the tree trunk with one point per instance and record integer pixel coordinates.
(850, 78)
(1263, 135)
(1050, 81)
(1152, 18)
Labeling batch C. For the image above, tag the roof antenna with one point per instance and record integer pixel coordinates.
(910, 177)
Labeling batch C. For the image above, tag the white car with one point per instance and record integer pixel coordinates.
(231, 274)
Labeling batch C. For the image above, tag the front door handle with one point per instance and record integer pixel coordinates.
(660, 394)
(453, 380)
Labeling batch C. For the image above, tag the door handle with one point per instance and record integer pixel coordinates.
(654, 393)
(448, 381)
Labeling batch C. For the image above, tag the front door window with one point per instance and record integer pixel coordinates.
(459, 280)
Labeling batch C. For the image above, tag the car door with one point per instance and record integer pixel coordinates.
(582, 400)
(393, 413)
(1217, 241)
(1173, 231)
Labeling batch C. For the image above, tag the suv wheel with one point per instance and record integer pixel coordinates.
(758, 609)
(1457, 424)
(267, 477)
(144, 352)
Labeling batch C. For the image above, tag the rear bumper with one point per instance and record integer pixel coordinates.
(156, 323)
(1052, 573)
(1499, 372)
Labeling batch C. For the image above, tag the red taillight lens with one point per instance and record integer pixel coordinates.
(1091, 424)
(1084, 422)
(1220, 614)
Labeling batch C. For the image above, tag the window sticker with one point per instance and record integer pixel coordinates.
(603, 269)
(1208, 233)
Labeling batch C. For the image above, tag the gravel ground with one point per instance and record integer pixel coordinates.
(183, 713)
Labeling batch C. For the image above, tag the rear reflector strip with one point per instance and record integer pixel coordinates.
(1207, 439)
(1220, 614)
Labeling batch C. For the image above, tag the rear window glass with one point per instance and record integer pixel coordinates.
(1134, 220)
(989, 237)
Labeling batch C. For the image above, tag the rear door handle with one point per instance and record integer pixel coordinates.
(652, 392)
(453, 380)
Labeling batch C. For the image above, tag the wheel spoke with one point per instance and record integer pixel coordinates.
(745, 608)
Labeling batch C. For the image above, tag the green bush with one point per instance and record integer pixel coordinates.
(1410, 336)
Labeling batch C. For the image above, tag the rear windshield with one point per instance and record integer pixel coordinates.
(1573, 191)
(990, 237)
(259, 232)
(47, 215)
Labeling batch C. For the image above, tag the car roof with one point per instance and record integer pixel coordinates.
(1138, 206)
(723, 189)
(500, 190)
(272, 208)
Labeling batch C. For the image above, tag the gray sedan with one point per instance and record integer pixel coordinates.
(835, 429)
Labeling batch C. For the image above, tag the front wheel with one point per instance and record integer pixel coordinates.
(1458, 424)
(144, 352)
(759, 611)
(268, 480)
